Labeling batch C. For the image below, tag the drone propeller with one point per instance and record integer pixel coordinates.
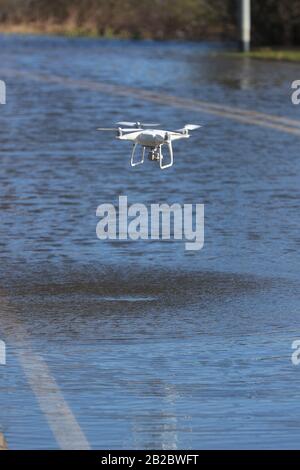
(115, 129)
(106, 129)
(137, 124)
(189, 127)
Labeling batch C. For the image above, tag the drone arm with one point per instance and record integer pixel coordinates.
(131, 136)
(178, 136)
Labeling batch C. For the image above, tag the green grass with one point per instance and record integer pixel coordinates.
(289, 55)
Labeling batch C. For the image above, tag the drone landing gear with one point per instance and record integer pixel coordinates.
(137, 162)
(155, 154)
(162, 166)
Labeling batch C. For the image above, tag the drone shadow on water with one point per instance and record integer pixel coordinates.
(119, 305)
(133, 283)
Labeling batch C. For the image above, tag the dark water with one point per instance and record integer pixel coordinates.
(151, 345)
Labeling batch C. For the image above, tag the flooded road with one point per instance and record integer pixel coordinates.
(142, 344)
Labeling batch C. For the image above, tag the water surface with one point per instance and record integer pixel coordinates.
(152, 346)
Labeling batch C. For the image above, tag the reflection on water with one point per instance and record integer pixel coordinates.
(153, 347)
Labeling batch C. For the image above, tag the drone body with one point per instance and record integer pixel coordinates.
(150, 140)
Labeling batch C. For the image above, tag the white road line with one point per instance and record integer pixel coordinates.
(279, 123)
(65, 428)
(60, 417)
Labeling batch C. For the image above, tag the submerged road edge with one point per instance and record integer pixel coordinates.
(58, 414)
(3, 444)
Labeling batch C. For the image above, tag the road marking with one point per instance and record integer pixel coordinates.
(65, 428)
(279, 123)
(61, 419)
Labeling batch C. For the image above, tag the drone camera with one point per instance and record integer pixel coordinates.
(153, 155)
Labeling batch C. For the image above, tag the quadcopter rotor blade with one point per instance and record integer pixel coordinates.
(106, 129)
(192, 127)
(189, 127)
(127, 123)
(131, 129)
(135, 124)
(119, 129)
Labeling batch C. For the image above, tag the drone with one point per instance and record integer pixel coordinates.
(151, 140)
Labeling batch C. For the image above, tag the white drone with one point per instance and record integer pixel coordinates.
(151, 140)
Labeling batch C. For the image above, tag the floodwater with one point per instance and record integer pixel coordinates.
(151, 346)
